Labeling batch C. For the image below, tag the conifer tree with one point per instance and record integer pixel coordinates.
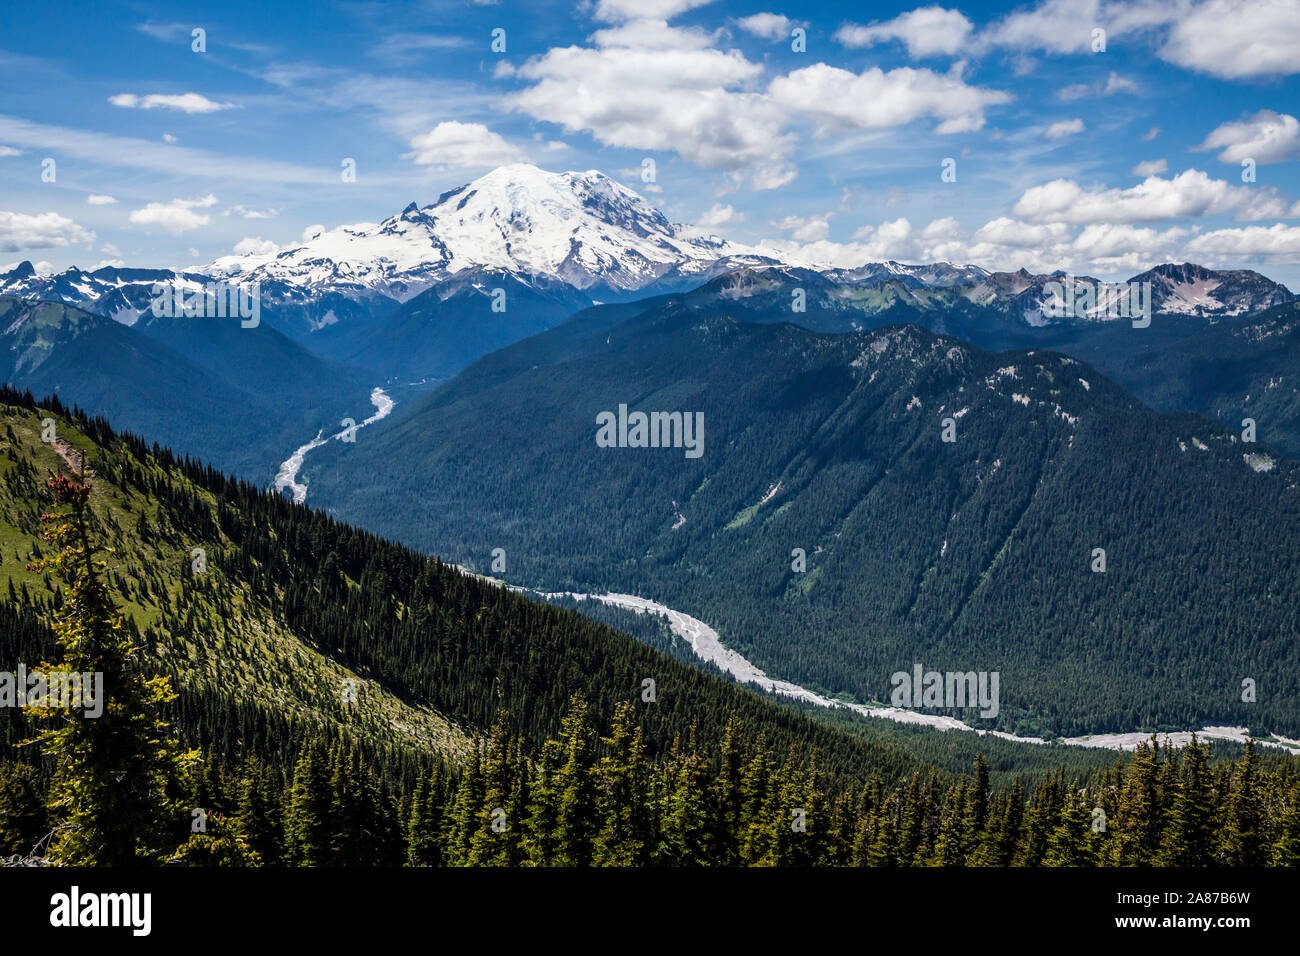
(625, 837)
(577, 820)
(307, 816)
(116, 792)
(259, 816)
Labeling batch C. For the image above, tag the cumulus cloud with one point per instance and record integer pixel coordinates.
(1064, 128)
(1066, 26)
(250, 246)
(1190, 193)
(646, 85)
(1021, 235)
(927, 31)
(1266, 137)
(616, 10)
(42, 231)
(1236, 39)
(181, 102)
(875, 98)
(177, 216)
(247, 213)
(1153, 167)
(457, 145)
(768, 26)
(719, 215)
(805, 228)
(659, 88)
(1278, 239)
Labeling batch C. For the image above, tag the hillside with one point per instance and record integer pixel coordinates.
(291, 602)
(970, 555)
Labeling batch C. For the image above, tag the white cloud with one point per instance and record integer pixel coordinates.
(1064, 128)
(658, 88)
(1236, 39)
(1152, 167)
(719, 215)
(1151, 134)
(875, 98)
(1190, 193)
(96, 200)
(617, 10)
(1119, 242)
(42, 231)
(251, 246)
(1266, 137)
(247, 213)
(311, 232)
(768, 26)
(182, 102)
(646, 85)
(456, 145)
(169, 138)
(9, 151)
(1278, 239)
(805, 228)
(927, 31)
(1114, 84)
(176, 216)
(1021, 235)
(105, 263)
(1066, 26)
(1118, 84)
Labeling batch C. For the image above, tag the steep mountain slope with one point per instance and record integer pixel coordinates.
(196, 385)
(969, 555)
(444, 328)
(1225, 365)
(288, 604)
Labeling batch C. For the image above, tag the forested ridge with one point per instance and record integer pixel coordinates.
(578, 768)
(833, 537)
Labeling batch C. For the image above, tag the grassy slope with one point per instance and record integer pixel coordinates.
(251, 654)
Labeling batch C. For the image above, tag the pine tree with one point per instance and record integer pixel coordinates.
(625, 837)
(1070, 843)
(1135, 827)
(307, 818)
(259, 815)
(577, 821)
(1241, 838)
(116, 791)
(1187, 837)
(541, 846)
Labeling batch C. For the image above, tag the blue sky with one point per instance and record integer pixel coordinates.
(1100, 161)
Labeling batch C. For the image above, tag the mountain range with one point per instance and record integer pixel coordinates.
(971, 554)
(509, 314)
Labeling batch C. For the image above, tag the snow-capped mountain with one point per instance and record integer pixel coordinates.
(584, 229)
(581, 236)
